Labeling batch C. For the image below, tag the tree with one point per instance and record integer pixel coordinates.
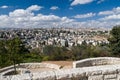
(14, 49)
(115, 40)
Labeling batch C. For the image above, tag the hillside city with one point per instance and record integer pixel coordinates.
(68, 37)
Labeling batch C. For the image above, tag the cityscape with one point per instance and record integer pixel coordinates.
(36, 38)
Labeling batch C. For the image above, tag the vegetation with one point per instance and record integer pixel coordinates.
(76, 52)
(115, 40)
(14, 52)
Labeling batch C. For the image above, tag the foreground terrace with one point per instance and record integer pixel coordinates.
(102, 68)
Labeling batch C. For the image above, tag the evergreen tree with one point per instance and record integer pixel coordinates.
(115, 40)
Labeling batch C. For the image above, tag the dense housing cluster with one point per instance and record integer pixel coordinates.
(36, 38)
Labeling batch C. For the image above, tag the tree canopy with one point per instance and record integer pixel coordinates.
(10, 52)
(115, 40)
(13, 51)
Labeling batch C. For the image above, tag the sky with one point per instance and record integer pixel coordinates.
(59, 13)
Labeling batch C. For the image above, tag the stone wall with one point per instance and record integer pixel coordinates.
(96, 62)
(104, 68)
(24, 66)
(107, 72)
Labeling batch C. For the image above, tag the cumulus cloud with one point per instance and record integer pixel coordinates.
(108, 19)
(54, 8)
(20, 13)
(4, 6)
(85, 15)
(95, 24)
(34, 8)
(76, 2)
(111, 17)
(105, 13)
(25, 18)
(113, 14)
(109, 12)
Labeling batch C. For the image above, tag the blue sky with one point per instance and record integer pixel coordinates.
(59, 13)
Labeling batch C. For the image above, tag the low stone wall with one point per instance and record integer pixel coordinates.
(24, 66)
(107, 72)
(96, 62)
(6, 68)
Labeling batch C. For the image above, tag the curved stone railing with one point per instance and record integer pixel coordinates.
(6, 68)
(107, 72)
(26, 66)
(96, 62)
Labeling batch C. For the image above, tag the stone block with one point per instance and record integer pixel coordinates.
(118, 77)
(110, 77)
(94, 73)
(96, 77)
(109, 71)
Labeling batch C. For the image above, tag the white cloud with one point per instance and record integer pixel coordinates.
(113, 14)
(111, 17)
(25, 18)
(85, 15)
(54, 8)
(95, 23)
(3, 7)
(109, 12)
(21, 13)
(34, 8)
(76, 2)
(21, 18)
(105, 13)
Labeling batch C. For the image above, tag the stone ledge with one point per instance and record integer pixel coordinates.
(96, 62)
(80, 73)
